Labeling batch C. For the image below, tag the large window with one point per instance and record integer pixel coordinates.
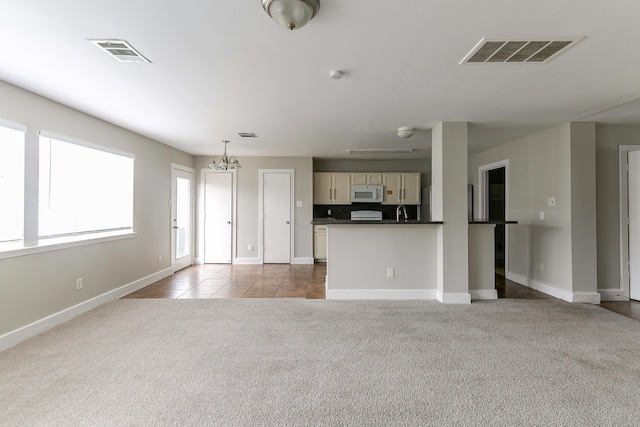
(82, 190)
(54, 191)
(11, 187)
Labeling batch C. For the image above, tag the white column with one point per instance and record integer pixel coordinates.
(449, 204)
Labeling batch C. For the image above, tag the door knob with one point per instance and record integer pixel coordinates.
(175, 227)
(287, 222)
(228, 222)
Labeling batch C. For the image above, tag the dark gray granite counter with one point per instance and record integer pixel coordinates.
(328, 221)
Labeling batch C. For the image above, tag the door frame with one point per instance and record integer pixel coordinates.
(261, 173)
(202, 213)
(483, 194)
(623, 213)
(172, 242)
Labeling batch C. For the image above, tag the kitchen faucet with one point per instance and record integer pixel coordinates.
(398, 213)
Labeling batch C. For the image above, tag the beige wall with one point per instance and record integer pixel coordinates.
(608, 138)
(35, 286)
(560, 163)
(539, 167)
(248, 196)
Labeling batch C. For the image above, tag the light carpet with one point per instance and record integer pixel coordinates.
(295, 362)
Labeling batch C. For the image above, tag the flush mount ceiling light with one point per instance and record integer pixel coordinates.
(336, 74)
(406, 132)
(225, 161)
(291, 14)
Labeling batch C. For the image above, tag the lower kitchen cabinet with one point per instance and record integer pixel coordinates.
(320, 242)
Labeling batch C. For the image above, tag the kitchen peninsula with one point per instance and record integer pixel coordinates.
(391, 259)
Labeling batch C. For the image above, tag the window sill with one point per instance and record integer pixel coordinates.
(65, 243)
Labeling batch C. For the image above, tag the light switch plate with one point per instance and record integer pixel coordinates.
(551, 201)
(299, 203)
(541, 216)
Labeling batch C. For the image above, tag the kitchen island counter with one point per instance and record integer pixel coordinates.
(330, 221)
(380, 260)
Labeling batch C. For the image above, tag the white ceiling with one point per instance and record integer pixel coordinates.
(219, 67)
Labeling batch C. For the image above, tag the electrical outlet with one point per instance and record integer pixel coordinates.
(250, 246)
(329, 212)
(159, 257)
(391, 273)
(551, 201)
(78, 284)
(299, 203)
(541, 216)
(541, 266)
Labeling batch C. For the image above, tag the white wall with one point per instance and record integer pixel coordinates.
(33, 287)
(542, 166)
(248, 193)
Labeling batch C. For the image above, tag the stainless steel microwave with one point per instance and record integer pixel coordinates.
(366, 194)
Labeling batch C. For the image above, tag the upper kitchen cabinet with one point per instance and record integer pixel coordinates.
(366, 179)
(401, 188)
(331, 188)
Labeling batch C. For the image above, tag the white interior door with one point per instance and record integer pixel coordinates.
(277, 202)
(181, 217)
(218, 217)
(634, 224)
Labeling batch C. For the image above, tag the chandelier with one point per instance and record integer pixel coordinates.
(225, 161)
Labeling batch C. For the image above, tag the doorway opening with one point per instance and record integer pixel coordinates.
(496, 212)
(493, 180)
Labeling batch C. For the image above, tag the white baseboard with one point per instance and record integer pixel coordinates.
(298, 260)
(14, 337)
(454, 298)
(370, 294)
(573, 297)
(303, 260)
(483, 294)
(612, 295)
(586, 297)
(198, 261)
(247, 261)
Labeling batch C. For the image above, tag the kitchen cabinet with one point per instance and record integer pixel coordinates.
(332, 188)
(320, 242)
(401, 188)
(366, 178)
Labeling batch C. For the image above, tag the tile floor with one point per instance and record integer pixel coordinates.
(298, 281)
(240, 281)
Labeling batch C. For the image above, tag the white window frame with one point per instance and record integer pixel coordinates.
(31, 243)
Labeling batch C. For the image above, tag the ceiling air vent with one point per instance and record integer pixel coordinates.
(518, 51)
(120, 50)
(247, 134)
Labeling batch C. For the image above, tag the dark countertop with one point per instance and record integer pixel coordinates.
(327, 221)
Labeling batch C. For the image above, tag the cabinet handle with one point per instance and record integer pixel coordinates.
(334, 194)
(404, 194)
(330, 194)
